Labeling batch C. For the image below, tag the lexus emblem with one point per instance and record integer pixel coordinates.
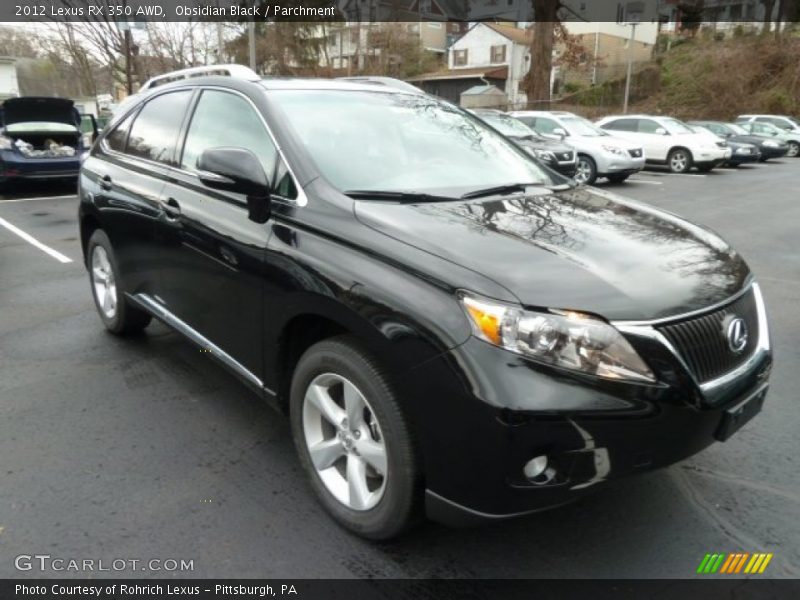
(736, 333)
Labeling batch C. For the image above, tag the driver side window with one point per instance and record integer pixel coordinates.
(225, 119)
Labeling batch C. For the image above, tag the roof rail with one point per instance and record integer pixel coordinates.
(391, 82)
(237, 71)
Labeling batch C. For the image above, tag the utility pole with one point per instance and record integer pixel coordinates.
(630, 67)
(128, 70)
(251, 34)
(220, 42)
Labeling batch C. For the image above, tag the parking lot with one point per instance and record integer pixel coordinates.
(143, 448)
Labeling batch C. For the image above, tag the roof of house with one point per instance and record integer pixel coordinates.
(472, 73)
(515, 34)
(477, 90)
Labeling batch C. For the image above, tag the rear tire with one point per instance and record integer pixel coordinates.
(117, 313)
(680, 160)
(345, 412)
(586, 170)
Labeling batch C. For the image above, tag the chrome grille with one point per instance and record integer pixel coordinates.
(702, 341)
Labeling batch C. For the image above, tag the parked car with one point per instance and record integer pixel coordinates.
(740, 152)
(667, 141)
(780, 121)
(767, 147)
(790, 138)
(450, 326)
(41, 138)
(556, 155)
(599, 153)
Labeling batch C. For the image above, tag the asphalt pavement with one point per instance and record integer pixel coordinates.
(142, 448)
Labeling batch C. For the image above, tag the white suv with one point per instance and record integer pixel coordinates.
(668, 141)
(599, 153)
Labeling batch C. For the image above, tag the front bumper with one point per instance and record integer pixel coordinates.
(614, 164)
(501, 410)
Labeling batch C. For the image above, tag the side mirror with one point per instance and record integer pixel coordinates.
(661, 131)
(237, 170)
(561, 132)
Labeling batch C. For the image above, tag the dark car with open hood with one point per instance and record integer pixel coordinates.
(41, 138)
(453, 329)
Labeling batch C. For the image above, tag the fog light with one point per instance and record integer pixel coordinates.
(535, 467)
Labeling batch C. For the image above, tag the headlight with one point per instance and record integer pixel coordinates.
(614, 150)
(6, 143)
(543, 154)
(564, 339)
(772, 144)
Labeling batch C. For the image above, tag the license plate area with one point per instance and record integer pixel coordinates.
(735, 417)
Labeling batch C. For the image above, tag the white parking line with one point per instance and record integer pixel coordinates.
(35, 198)
(34, 242)
(645, 181)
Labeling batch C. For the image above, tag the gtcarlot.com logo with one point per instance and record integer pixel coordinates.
(46, 562)
(734, 562)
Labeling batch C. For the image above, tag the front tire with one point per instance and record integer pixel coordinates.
(353, 440)
(115, 310)
(586, 170)
(680, 160)
(794, 149)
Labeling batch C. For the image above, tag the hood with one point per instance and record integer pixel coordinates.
(542, 144)
(582, 249)
(756, 140)
(47, 110)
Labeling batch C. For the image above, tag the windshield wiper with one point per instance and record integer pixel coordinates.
(501, 190)
(397, 196)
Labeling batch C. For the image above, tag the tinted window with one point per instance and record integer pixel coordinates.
(648, 126)
(621, 125)
(223, 119)
(529, 121)
(118, 138)
(155, 130)
(284, 185)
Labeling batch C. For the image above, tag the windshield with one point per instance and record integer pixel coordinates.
(736, 128)
(402, 142)
(581, 127)
(675, 126)
(507, 125)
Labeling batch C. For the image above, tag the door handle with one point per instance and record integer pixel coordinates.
(106, 183)
(172, 209)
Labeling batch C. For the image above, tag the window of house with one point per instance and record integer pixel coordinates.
(155, 131)
(498, 54)
(460, 58)
(225, 119)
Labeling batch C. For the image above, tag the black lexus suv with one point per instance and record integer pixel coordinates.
(452, 328)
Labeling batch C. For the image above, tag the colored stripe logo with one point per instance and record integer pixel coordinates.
(735, 562)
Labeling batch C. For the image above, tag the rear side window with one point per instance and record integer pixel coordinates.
(155, 131)
(621, 125)
(118, 139)
(223, 119)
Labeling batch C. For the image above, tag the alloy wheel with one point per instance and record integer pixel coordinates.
(583, 172)
(678, 162)
(794, 149)
(344, 441)
(105, 286)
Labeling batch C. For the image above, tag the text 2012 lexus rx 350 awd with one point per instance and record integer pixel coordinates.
(452, 327)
